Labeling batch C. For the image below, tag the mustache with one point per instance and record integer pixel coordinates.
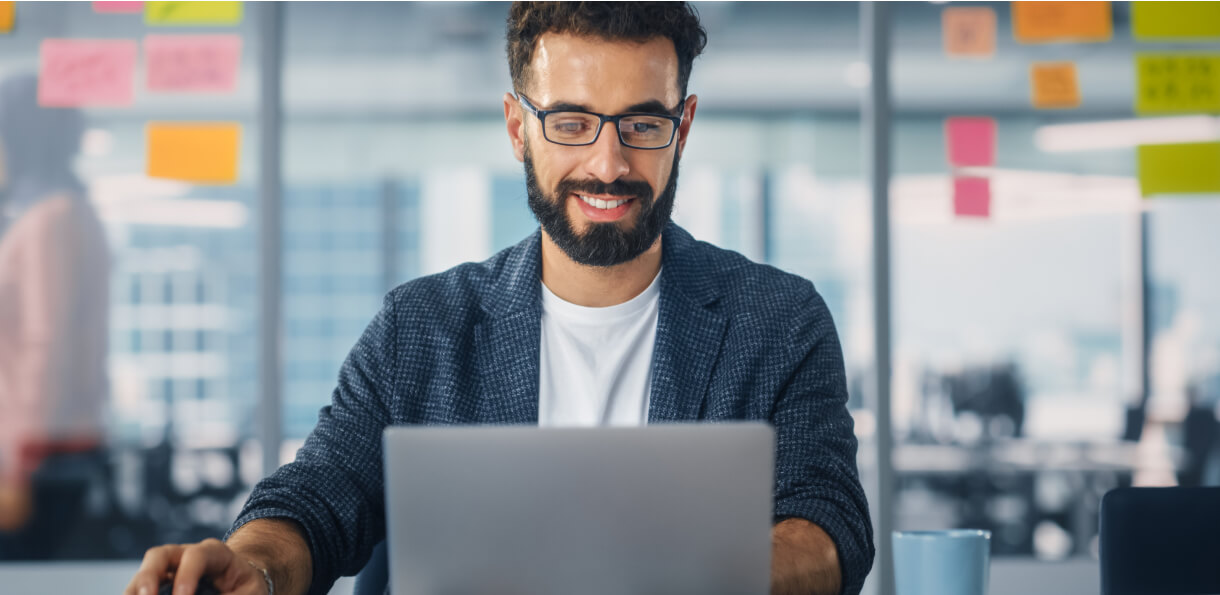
(626, 188)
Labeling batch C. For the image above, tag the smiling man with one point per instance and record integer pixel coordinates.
(608, 315)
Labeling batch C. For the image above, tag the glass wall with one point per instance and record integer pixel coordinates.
(1061, 345)
(177, 268)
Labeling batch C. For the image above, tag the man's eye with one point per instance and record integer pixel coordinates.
(568, 127)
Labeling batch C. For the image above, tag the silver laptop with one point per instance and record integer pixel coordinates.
(615, 511)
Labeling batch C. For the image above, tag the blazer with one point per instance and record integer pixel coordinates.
(735, 340)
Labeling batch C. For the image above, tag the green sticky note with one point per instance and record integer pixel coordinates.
(1192, 168)
(1176, 83)
(1175, 20)
(192, 13)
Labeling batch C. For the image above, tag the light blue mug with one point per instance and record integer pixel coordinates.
(952, 562)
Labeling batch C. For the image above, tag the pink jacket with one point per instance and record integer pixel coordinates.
(54, 302)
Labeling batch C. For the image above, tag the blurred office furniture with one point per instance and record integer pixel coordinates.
(1160, 540)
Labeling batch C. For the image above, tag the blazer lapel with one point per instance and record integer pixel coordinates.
(507, 340)
(689, 335)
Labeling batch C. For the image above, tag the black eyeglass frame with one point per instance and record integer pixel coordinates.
(541, 114)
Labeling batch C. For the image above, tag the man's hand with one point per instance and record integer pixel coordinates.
(275, 544)
(804, 560)
(16, 505)
(186, 564)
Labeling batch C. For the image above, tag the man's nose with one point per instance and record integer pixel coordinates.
(606, 160)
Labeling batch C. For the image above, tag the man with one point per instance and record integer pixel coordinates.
(610, 314)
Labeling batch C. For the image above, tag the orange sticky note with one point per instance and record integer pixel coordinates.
(968, 31)
(972, 197)
(8, 16)
(1054, 85)
(197, 152)
(1042, 22)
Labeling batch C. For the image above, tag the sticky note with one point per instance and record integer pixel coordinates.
(83, 72)
(8, 16)
(1054, 85)
(1167, 83)
(118, 7)
(971, 141)
(192, 13)
(972, 197)
(197, 152)
(968, 31)
(1192, 168)
(1042, 22)
(192, 63)
(1175, 20)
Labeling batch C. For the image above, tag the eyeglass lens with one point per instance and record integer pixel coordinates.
(576, 128)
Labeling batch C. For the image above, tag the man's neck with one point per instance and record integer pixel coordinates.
(597, 287)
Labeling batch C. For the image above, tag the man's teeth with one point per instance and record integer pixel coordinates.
(601, 204)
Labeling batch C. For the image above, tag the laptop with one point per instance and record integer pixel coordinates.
(527, 510)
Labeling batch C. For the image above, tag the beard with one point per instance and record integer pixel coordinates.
(603, 244)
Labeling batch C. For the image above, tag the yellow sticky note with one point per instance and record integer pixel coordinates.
(1175, 20)
(8, 16)
(1192, 168)
(1054, 85)
(1174, 83)
(192, 13)
(198, 152)
(1042, 22)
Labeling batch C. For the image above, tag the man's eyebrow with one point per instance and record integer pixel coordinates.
(651, 106)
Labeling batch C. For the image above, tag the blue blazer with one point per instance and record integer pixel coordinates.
(735, 340)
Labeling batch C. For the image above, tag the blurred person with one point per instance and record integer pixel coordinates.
(1200, 436)
(610, 314)
(54, 294)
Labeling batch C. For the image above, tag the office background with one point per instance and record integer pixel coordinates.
(1026, 345)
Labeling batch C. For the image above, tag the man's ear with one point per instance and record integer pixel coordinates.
(514, 121)
(688, 116)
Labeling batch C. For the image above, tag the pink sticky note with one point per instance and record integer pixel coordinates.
(118, 7)
(971, 141)
(86, 72)
(196, 63)
(972, 197)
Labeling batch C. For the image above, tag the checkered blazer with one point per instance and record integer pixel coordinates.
(735, 340)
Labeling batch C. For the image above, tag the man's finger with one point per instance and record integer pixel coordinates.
(208, 557)
(157, 562)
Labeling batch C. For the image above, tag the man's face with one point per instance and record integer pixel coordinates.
(608, 78)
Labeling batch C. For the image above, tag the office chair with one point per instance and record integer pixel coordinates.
(1160, 541)
(374, 578)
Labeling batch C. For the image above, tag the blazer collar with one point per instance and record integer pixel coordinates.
(688, 340)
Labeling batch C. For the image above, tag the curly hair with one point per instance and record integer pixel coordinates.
(613, 21)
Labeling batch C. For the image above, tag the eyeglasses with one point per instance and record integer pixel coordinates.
(576, 128)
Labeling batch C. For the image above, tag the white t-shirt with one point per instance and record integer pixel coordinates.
(596, 363)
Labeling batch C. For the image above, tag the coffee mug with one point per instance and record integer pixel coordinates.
(951, 562)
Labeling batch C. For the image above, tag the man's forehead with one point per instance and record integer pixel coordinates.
(603, 75)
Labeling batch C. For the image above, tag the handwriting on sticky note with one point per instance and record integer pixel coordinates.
(79, 72)
(1192, 168)
(1167, 83)
(197, 152)
(193, 13)
(971, 197)
(118, 7)
(192, 63)
(1164, 19)
(1054, 85)
(968, 31)
(1042, 22)
(8, 16)
(971, 141)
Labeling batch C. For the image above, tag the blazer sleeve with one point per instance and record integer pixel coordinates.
(333, 488)
(815, 465)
